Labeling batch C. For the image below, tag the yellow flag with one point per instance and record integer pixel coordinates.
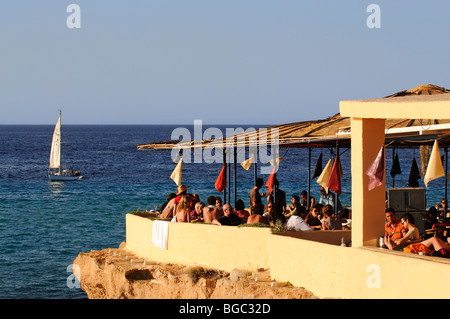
(434, 168)
(279, 159)
(247, 163)
(176, 174)
(323, 178)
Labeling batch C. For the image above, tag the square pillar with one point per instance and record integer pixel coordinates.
(368, 207)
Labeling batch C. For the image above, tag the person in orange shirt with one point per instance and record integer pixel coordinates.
(393, 227)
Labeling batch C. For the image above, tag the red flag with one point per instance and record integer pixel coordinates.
(376, 170)
(271, 180)
(334, 181)
(221, 182)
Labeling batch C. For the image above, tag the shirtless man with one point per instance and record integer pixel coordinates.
(211, 212)
(256, 206)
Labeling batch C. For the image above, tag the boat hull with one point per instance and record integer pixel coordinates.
(54, 177)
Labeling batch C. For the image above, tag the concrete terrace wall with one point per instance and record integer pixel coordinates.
(313, 260)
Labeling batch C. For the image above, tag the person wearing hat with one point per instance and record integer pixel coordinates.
(182, 191)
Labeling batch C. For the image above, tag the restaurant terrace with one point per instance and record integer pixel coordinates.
(362, 269)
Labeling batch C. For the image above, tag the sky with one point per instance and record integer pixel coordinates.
(223, 62)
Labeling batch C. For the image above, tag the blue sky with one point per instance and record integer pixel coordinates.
(222, 62)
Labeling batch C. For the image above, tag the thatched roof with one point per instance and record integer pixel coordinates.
(427, 89)
(331, 131)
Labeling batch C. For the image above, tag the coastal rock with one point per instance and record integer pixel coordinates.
(120, 274)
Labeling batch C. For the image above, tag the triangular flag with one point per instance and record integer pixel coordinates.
(271, 180)
(318, 169)
(341, 173)
(376, 170)
(176, 174)
(434, 168)
(247, 163)
(323, 178)
(414, 174)
(334, 180)
(221, 182)
(396, 170)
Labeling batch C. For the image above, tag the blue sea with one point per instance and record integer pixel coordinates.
(44, 224)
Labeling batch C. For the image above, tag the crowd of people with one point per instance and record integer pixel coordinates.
(302, 214)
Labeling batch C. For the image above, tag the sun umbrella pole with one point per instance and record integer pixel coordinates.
(446, 172)
(224, 161)
(235, 176)
(255, 167)
(336, 198)
(393, 158)
(309, 179)
(229, 180)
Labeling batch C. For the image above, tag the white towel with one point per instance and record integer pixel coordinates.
(160, 233)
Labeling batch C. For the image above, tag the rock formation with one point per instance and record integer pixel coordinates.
(117, 273)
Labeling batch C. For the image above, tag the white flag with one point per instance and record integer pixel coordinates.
(434, 168)
(176, 174)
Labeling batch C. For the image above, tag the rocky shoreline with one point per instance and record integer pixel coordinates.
(117, 273)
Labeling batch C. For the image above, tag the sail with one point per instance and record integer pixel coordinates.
(55, 153)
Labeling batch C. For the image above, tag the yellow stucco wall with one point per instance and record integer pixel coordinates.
(407, 107)
(368, 227)
(326, 270)
(343, 272)
(200, 244)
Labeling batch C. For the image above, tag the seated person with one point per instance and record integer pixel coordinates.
(229, 218)
(274, 214)
(183, 210)
(182, 192)
(412, 233)
(329, 221)
(441, 248)
(219, 202)
(393, 227)
(304, 199)
(167, 212)
(240, 210)
(297, 222)
(344, 214)
(257, 219)
(211, 212)
(197, 214)
(168, 199)
(433, 246)
(295, 204)
(312, 219)
(431, 217)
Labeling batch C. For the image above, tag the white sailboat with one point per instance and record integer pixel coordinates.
(55, 171)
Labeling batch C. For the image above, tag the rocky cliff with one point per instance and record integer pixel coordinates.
(117, 273)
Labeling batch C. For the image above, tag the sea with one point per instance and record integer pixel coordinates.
(44, 225)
